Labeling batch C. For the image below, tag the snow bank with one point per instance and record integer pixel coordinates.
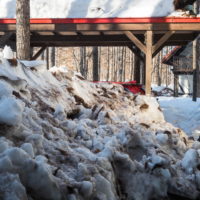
(77, 140)
(91, 8)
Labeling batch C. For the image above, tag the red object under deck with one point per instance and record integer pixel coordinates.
(107, 20)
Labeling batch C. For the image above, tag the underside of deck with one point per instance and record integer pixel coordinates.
(149, 35)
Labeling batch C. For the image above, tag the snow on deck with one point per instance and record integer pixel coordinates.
(91, 8)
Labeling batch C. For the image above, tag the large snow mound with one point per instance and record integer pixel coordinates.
(91, 8)
(65, 138)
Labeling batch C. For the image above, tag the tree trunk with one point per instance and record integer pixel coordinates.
(196, 61)
(95, 64)
(47, 57)
(52, 57)
(83, 61)
(108, 61)
(137, 67)
(23, 29)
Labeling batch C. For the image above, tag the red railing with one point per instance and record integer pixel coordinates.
(106, 20)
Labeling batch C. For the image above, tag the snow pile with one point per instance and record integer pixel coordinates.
(182, 113)
(69, 139)
(91, 8)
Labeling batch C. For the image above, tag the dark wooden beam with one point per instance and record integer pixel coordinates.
(40, 51)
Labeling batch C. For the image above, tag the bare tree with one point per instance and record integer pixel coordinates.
(95, 64)
(23, 29)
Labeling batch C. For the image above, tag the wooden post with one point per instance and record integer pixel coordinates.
(195, 63)
(149, 62)
(23, 29)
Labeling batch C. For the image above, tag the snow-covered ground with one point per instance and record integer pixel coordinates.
(182, 112)
(64, 138)
(92, 8)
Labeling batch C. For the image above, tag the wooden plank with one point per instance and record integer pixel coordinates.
(107, 27)
(149, 62)
(195, 68)
(136, 41)
(79, 44)
(162, 40)
(85, 38)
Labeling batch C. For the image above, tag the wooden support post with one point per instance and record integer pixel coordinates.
(195, 62)
(194, 65)
(149, 62)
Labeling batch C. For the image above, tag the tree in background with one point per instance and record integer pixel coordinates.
(95, 58)
(23, 29)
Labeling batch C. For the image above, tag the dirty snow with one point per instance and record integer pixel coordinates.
(92, 8)
(72, 139)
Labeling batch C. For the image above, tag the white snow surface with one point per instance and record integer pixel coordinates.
(91, 8)
(69, 139)
(183, 113)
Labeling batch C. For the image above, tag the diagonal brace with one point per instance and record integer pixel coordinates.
(136, 41)
(40, 51)
(162, 40)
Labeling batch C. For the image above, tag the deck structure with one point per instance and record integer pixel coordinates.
(149, 35)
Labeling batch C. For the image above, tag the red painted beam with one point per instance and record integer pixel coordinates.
(107, 20)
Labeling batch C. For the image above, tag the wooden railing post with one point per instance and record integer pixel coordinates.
(149, 61)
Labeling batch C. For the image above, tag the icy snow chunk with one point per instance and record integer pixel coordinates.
(41, 181)
(157, 160)
(28, 148)
(59, 112)
(3, 146)
(86, 188)
(189, 161)
(162, 138)
(8, 53)
(33, 63)
(17, 156)
(11, 111)
(11, 187)
(6, 165)
(41, 159)
(5, 90)
(37, 142)
(149, 110)
(103, 187)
